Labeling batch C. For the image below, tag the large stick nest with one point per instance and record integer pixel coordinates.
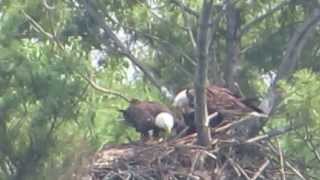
(227, 158)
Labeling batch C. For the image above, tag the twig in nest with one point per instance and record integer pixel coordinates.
(243, 172)
(104, 90)
(165, 154)
(210, 154)
(283, 175)
(296, 171)
(219, 171)
(258, 173)
(189, 146)
(186, 175)
(193, 166)
(270, 134)
(242, 120)
(233, 165)
(181, 133)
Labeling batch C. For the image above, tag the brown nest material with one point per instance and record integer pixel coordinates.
(226, 159)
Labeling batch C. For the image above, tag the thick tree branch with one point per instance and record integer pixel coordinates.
(201, 74)
(287, 66)
(292, 55)
(233, 46)
(246, 28)
(93, 12)
(296, 45)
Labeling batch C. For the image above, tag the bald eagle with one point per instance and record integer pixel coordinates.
(146, 116)
(220, 100)
(181, 101)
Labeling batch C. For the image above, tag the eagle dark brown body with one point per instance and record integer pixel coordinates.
(141, 115)
(222, 100)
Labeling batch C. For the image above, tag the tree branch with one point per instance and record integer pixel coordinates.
(163, 42)
(246, 27)
(104, 90)
(40, 29)
(185, 8)
(272, 133)
(292, 55)
(233, 46)
(93, 12)
(287, 66)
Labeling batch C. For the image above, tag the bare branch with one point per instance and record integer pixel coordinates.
(93, 12)
(165, 43)
(104, 90)
(40, 29)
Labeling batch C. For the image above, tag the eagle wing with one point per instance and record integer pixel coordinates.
(224, 101)
(140, 119)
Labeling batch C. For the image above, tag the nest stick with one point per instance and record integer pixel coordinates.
(261, 169)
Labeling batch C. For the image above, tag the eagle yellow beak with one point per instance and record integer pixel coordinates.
(168, 131)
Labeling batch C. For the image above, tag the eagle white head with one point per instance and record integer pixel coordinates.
(181, 101)
(165, 120)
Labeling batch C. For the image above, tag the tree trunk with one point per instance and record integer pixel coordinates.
(203, 41)
(233, 46)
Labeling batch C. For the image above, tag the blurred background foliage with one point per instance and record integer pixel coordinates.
(51, 119)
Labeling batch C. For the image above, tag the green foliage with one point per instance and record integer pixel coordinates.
(301, 108)
(50, 116)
